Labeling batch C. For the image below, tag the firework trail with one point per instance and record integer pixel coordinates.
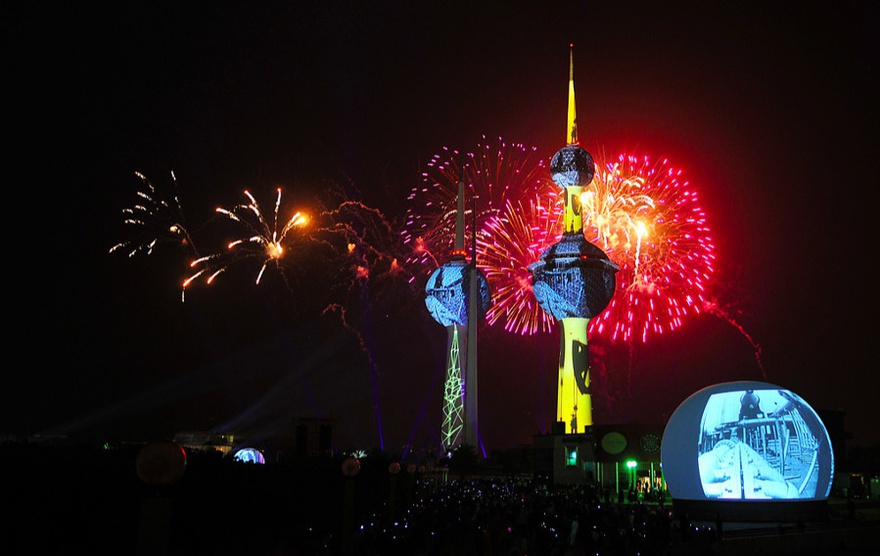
(365, 236)
(260, 240)
(732, 311)
(714, 309)
(352, 241)
(340, 310)
(158, 217)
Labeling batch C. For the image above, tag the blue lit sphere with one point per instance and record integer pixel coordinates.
(572, 166)
(249, 455)
(573, 279)
(446, 293)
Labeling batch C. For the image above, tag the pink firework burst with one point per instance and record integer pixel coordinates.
(511, 241)
(494, 173)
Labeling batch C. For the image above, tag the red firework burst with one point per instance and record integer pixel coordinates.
(649, 221)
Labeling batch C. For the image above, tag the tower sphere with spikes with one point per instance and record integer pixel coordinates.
(574, 280)
(457, 296)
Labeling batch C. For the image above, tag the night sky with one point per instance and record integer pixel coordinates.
(770, 111)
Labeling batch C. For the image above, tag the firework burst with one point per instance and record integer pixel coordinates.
(644, 215)
(158, 219)
(511, 241)
(511, 191)
(495, 173)
(260, 240)
(650, 222)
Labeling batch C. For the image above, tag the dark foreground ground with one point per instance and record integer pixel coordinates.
(59, 501)
(841, 534)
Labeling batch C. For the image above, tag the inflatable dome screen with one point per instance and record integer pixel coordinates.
(747, 441)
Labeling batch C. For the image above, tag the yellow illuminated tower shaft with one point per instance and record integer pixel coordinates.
(574, 405)
(574, 280)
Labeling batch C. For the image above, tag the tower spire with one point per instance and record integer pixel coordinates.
(458, 247)
(471, 411)
(572, 132)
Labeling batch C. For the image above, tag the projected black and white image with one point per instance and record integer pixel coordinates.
(763, 444)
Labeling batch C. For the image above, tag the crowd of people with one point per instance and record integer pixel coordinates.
(96, 502)
(519, 516)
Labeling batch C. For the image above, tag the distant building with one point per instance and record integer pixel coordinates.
(314, 437)
(619, 457)
(205, 441)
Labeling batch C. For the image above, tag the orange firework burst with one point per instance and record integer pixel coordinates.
(260, 241)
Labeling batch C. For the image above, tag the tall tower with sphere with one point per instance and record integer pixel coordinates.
(574, 280)
(457, 296)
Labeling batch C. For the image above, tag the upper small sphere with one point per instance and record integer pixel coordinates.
(572, 166)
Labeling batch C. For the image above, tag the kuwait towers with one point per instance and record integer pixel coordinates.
(574, 280)
(457, 296)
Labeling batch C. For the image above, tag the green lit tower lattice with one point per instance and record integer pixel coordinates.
(453, 396)
(448, 296)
